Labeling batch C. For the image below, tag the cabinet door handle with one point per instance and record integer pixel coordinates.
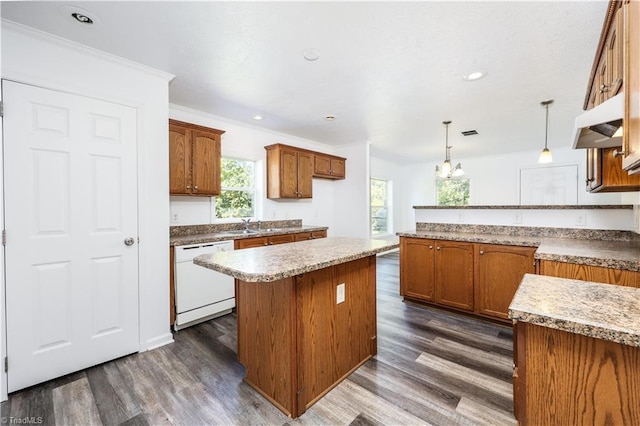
(266, 244)
(195, 187)
(430, 247)
(617, 153)
(481, 251)
(437, 248)
(188, 186)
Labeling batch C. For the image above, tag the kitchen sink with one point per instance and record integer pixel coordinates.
(240, 232)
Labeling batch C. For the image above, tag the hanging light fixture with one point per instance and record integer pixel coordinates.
(545, 155)
(446, 171)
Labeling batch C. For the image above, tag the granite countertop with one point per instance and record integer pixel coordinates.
(209, 237)
(607, 312)
(272, 263)
(604, 253)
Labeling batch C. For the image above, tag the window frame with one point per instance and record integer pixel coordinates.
(451, 179)
(388, 206)
(252, 190)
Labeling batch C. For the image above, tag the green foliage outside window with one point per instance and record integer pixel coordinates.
(378, 206)
(452, 192)
(236, 199)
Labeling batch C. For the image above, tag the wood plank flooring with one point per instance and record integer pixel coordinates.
(432, 367)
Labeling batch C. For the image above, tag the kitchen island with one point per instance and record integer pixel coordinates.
(576, 352)
(306, 314)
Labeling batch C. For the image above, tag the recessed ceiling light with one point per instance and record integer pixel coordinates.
(476, 75)
(311, 54)
(78, 15)
(83, 19)
(329, 117)
(257, 117)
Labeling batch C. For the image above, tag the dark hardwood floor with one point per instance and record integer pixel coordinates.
(432, 367)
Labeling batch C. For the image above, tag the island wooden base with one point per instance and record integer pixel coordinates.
(296, 342)
(564, 378)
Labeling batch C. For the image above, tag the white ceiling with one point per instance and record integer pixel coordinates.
(390, 72)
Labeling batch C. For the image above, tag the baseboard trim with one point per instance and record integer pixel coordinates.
(159, 341)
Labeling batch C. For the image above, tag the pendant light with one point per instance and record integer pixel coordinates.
(545, 155)
(446, 171)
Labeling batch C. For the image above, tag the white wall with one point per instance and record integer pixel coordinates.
(247, 142)
(612, 219)
(352, 194)
(495, 181)
(36, 58)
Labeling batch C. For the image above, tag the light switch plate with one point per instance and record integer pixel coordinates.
(340, 293)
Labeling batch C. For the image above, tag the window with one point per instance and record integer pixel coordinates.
(452, 192)
(237, 198)
(380, 207)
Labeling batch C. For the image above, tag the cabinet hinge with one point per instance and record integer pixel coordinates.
(6, 364)
(4, 237)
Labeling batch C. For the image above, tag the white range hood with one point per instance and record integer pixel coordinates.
(597, 127)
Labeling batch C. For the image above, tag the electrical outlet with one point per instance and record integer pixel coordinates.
(174, 218)
(517, 217)
(581, 219)
(340, 293)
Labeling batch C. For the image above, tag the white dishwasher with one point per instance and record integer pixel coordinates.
(201, 293)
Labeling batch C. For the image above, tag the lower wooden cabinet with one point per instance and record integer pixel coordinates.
(498, 272)
(417, 268)
(479, 278)
(563, 378)
(278, 239)
(596, 274)
(303, 236)
(454, 274)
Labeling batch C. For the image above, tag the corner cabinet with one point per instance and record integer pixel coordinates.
(329, 166)
(631, 137)
(289, 172)
(194, 159)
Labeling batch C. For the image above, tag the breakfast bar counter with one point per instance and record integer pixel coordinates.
(306, 314)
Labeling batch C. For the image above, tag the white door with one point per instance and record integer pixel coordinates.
(70, 203)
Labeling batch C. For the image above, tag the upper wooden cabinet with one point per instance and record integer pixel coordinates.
(608, 76)
(616, 69)
(194, 159)
(329, 166)
(631, 138)
(289, 172)
(605, 172)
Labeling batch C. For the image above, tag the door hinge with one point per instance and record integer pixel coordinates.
(4, 237)
(6, 364)
(1, 109)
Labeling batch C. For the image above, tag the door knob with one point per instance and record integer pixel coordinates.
(129, 241)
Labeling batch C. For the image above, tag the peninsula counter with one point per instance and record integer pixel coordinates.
(306, 314)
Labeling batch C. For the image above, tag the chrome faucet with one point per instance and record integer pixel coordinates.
(246, 223)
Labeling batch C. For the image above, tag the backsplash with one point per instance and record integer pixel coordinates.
(525, 231)
(211, 228)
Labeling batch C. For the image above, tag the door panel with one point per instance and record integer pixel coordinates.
(70, 202)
